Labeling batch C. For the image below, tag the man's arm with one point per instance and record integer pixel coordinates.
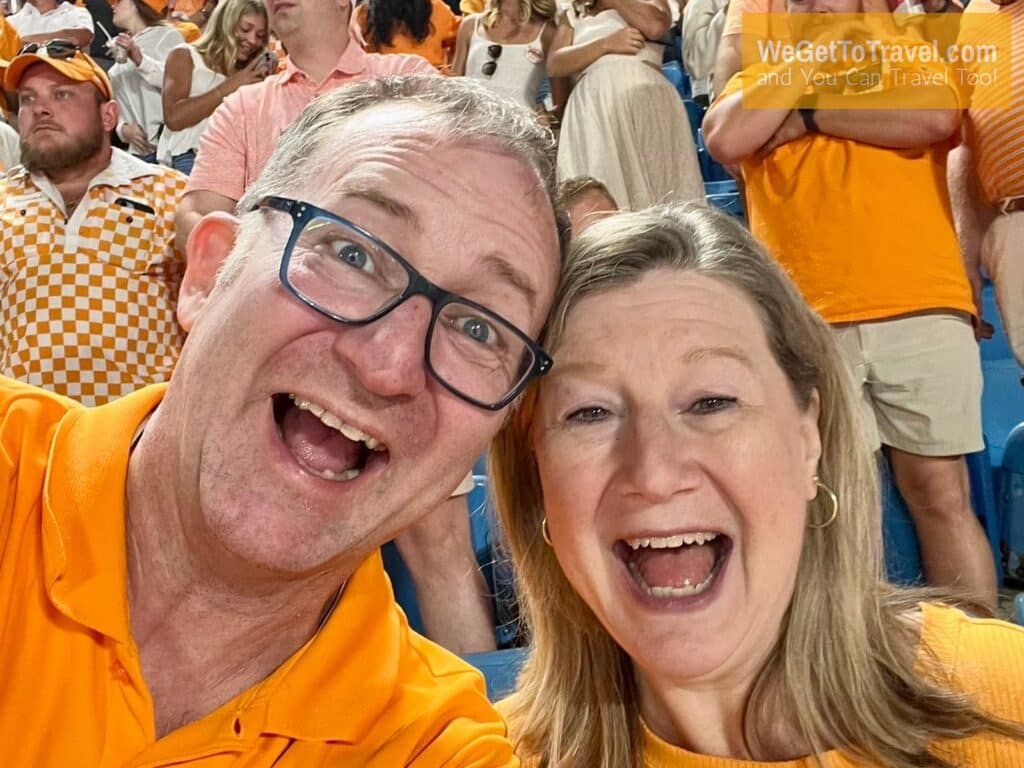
(80, 37)
(219, 176)
(972, 214)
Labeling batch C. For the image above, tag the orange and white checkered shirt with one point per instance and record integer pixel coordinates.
(87, 303)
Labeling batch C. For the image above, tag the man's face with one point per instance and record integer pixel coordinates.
(61, 121)
(291, 17)
(468, 218)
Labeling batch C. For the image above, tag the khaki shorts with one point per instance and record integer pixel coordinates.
(1002, 255)
(919, 380)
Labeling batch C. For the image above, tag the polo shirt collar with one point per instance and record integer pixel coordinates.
(352, 62)
(84, 560)
(121, 171)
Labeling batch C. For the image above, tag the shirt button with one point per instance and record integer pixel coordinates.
(120, 673)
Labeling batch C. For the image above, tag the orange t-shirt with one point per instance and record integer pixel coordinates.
(364, 691)
(436, 47)
(865, 232)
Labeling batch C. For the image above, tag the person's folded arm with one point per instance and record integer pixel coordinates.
(733, 131)
(651, 17)
(79, 36)
(901, 118)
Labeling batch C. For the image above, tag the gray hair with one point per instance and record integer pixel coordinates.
(460, 109)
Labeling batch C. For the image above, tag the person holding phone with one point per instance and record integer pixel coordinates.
(86, 240)
(200, 76)
(137, 75)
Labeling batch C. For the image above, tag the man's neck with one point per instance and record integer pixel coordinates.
(73, 182)
(316, 52)
(205, 633)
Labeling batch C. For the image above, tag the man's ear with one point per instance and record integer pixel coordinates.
(209, 244)
(109, 113)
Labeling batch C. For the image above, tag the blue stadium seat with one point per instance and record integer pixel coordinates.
(1010, 498)
(500, 669)
(726, 196)
(676, 75)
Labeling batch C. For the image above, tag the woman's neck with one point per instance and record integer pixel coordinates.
(135, 26)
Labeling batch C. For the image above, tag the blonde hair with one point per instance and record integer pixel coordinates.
(544, 10)
(844, 669)
(218, 44)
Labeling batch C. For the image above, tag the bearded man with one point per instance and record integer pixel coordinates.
(90, 273)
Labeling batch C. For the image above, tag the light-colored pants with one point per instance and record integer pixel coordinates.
(918, 380)
(1002, 255)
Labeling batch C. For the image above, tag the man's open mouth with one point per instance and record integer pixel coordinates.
(676, 566)
(322, 443)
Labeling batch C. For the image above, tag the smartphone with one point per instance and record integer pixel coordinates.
(268, 63)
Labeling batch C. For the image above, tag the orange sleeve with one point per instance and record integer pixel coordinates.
(734, 16)
(10, 41)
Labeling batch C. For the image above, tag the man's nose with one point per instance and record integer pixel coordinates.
(387, 355)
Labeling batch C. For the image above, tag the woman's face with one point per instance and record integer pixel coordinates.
(676, 468)
(124, 12)
(251, 34)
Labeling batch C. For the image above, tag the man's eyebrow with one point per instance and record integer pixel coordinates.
(380, 200)
(519, 280)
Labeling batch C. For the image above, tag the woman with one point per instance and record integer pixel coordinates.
(427, 28)
(506, 46)
(624, 122)
(199, 77)
(137, 77)
(698, 534)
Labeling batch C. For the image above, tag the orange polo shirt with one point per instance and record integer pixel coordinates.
(865, 232)
(365, 691)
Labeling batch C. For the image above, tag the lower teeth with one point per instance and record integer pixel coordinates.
(326, 474)
(687, 590)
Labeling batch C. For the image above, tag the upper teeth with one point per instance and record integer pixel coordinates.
(332, 421)
(668, 542)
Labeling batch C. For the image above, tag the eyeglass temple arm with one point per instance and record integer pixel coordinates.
(278, 204)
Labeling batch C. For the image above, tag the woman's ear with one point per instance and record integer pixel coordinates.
(811, 437)
(208, 247)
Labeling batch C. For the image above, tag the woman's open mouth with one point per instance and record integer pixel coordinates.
(677, 566)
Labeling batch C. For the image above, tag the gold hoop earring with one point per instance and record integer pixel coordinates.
(544, 531)
(835, 506)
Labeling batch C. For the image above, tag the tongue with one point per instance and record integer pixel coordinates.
(316, 445)
(683, 566)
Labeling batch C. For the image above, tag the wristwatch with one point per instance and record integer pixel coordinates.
(809, 122)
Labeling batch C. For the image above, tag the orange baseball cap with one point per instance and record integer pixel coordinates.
(157, 5)
(75, 65)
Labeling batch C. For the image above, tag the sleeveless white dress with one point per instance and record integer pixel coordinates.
(626, 126)
(518, 72)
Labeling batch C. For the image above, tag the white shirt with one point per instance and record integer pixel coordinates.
(137, 89)
(10, 147)
(204, 79)
(29, 21)
(703, 21)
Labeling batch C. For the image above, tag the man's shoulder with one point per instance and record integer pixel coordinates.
(28, 417)
(379, 64)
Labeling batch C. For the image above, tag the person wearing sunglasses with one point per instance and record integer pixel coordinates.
(40, 20)
(505, 48)
(91, 274)
(191, 575)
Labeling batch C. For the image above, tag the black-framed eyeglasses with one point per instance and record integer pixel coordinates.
(52, 49)
(493, 54)
(347, 274)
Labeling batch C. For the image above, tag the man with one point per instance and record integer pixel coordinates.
(243, 131)
(191, 574)
(883, 269)
(90, 271)
(987, 170)
(39, 21)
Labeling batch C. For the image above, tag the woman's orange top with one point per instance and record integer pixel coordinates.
(436, 47)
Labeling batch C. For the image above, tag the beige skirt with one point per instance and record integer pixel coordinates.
(626, 126)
